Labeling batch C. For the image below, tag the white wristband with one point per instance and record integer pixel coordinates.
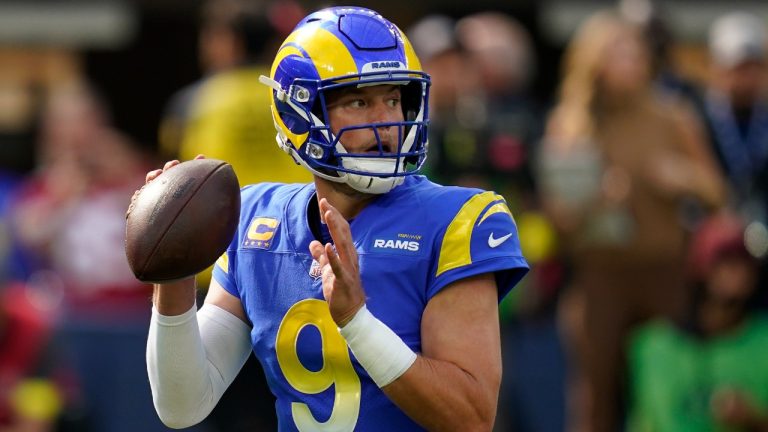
(379, 350)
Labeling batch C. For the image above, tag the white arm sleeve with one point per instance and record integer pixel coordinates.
(191, 360)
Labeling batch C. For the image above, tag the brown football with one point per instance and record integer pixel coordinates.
(182, 221)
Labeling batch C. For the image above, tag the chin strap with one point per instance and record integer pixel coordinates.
(282, 96)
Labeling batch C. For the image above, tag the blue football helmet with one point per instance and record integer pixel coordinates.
(331, 49)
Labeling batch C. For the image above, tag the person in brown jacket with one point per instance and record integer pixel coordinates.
(618, 166)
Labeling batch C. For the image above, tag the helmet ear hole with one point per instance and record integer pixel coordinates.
(410, 99)
(317, 108)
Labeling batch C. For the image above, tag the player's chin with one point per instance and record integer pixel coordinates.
(350, 192)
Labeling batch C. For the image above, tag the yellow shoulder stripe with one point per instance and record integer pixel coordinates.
(500, 207)
(455, 249)
(223, 262)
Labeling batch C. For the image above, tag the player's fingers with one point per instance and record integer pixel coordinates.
(325, 205)
(329, 279)
(334, 261)
(317, 251)
(152, 175)
(340, 232)
(327, 209)
(342, 236)
(170, 164)
(200, 156)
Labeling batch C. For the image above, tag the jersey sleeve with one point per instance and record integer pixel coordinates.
(224, 268)
(480, 238)
(223, 271)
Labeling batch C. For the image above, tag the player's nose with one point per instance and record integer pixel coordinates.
(381, 112)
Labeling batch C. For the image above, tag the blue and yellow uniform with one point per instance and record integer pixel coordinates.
(412, 242)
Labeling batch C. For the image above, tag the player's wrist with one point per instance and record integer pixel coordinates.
(175, 298)
(178, 283)
(345, 318)
(175, 319)
(380, 351)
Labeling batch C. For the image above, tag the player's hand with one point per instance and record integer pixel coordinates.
(168, 307)
(342, 288)
(153, 175)
(168, 165)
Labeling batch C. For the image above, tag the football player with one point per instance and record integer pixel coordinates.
(370, 295)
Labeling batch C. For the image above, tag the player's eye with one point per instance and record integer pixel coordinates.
(393, 102)
(356, 103)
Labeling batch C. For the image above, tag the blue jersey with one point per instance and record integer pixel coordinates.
(412, 242)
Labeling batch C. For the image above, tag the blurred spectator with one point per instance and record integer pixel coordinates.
(71, 215)
(226, 114)
(501, 46)
(736, 109)
(617, 165)
(483, 122)
(457, 108)
(502, 50)
(704, 372)
(30, 399)
(650, 17)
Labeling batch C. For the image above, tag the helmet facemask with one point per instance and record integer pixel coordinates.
(398, 152)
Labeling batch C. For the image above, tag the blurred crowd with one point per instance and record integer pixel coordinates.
(640, 194)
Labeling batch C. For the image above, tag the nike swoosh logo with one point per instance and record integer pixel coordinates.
(493, 242)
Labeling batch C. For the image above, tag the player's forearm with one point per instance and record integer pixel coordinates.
(441, 396)
(177, 366)
(453, 385)
(175, 298)
(191, 360)
(438, 394)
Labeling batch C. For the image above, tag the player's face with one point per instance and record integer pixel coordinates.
(375, 104)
